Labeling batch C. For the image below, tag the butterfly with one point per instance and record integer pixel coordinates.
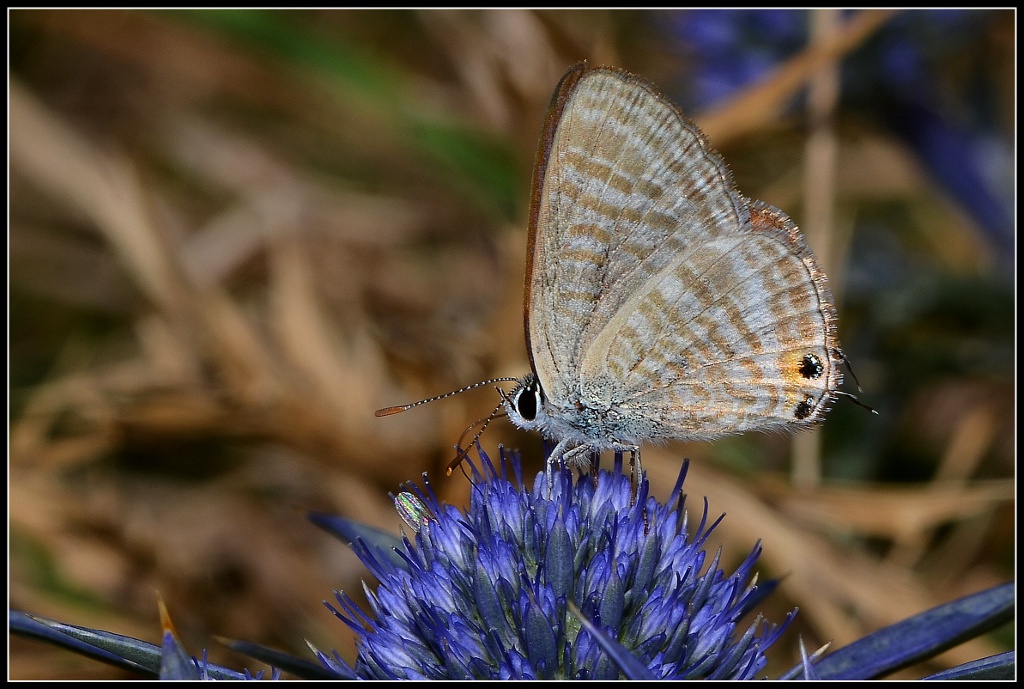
(661, 304)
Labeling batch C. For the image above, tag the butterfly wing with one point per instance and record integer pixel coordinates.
(727, 342)
(654, 288)
(624, 186)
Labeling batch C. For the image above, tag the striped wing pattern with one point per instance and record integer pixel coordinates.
(660, 302)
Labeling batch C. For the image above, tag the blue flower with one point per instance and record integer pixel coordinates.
(590, 580)
(537, 584)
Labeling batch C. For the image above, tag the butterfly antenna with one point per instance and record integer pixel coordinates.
(388, 411)
(483, 423)
(853, 398)
(849, 368)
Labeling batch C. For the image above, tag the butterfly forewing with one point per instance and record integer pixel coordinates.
(628, 187)
(650, 292)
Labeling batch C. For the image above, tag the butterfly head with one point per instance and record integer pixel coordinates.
(525, 405)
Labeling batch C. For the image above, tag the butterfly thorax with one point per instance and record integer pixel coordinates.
(577, 421)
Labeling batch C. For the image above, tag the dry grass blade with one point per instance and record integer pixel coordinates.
(101, 185)
(899, 514)
(755, 107)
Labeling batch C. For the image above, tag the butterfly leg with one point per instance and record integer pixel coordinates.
(579, 455)
(636, 467)
(634, 458)
(557, 457)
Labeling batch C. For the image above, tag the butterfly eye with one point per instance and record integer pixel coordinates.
(528, 400)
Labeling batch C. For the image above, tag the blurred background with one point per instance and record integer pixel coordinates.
(233, 235)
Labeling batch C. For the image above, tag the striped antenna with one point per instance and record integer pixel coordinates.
(388, 411)
(853, 398)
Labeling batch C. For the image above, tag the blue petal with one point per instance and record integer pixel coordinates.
(999, 666)
(628, 664)
(488, 605)
(612, 602)
(541, 646)
(921, 636)
(382, 544)
(558, 561)
(175, 662)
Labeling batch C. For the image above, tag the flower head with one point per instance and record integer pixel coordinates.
(515, 586)
(588, 580)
